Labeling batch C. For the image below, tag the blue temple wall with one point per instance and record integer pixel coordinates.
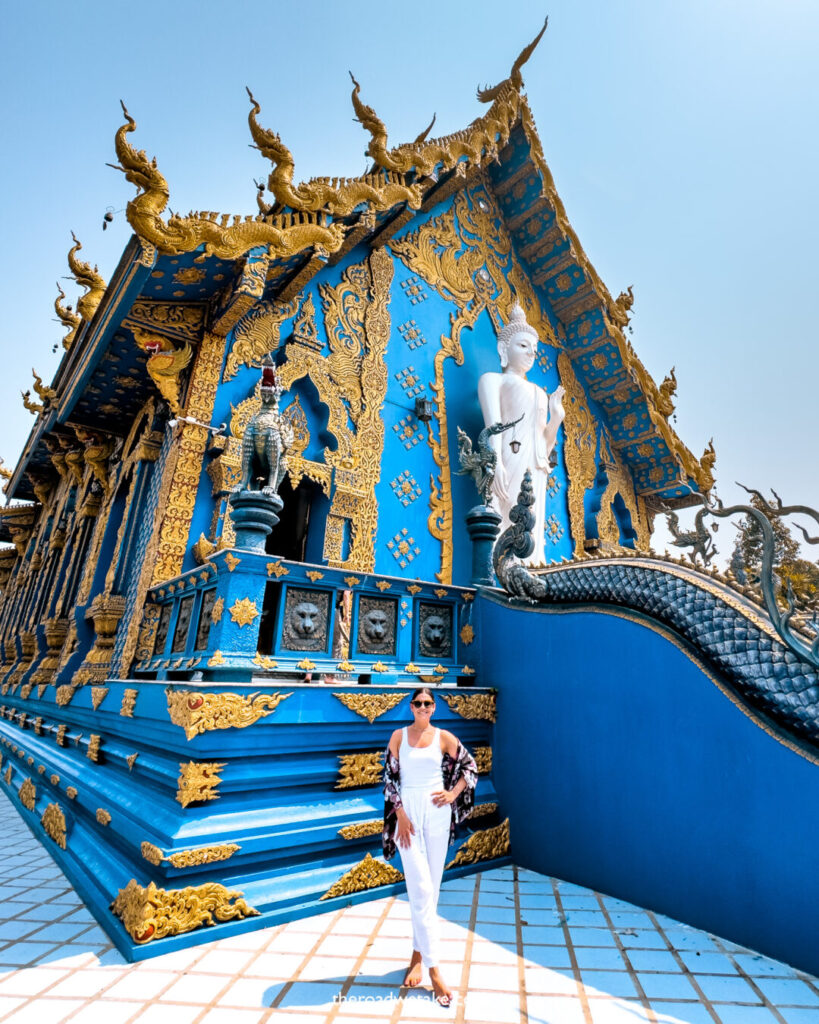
(624, 767)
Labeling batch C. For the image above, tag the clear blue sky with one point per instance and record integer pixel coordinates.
(682, 138)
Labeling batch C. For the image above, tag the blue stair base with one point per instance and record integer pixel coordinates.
(276, 798)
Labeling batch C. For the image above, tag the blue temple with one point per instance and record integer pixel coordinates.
(194, 723)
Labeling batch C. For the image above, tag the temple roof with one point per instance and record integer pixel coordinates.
(210, 267)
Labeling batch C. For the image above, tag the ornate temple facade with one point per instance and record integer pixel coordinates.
(150, 658)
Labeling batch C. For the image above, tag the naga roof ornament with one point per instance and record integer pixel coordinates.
(478, 144)
(87, 277)
(68, 318)
(285, 234)
(336, 196)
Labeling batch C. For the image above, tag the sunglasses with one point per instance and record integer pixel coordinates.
(423, 703)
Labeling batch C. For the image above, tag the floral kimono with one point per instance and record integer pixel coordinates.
(453, 769)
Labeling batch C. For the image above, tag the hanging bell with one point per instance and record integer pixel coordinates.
(515, 446)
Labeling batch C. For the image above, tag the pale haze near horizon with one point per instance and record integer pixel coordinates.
(682, 139)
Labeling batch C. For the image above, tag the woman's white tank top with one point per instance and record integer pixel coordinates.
(421, 766)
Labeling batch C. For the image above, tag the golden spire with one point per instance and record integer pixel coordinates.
(423, 135)
(515, 79)
(68, 318)
(88, 278)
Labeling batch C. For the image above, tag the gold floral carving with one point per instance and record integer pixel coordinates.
(277, 569)
(579, 450)
(306, 665)
(165, 363)
(620, 482)
(189, 858)
(53, 821)
(352, 581)
(370, 705)
(64, 695)
(53, 779)
(476, 705)
(153, 913)
(130, 760)
(485, 845)
(198, 713)
(231, 561)
(105, 611)
(314, 575)
(369, 873)
(7, 776)
(482, 810)
(102, 816)
(93, 753)
(285, 234)
(383, 585)
(71, 792)
(217, 659)
(27, 793)
(467, 634)
(379, 666)
(128, 703)
(153, 854)
(243, 611)
(265, 661)
(483, 759)
(359, 770)
(185, 469)
(362, 829)
(60, 737)
(257, 334)
(198, 780)
(98, 695)
(217, 610)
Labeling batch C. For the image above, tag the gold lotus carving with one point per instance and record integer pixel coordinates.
(370, 705)
(243, 611)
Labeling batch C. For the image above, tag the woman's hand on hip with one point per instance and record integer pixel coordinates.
(405, 830)
(442, 797)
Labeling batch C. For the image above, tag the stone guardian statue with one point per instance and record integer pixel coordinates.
(506, 397)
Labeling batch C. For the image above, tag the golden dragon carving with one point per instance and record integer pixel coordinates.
(337, 196)
(87, 277)
(165, 363)
(68, 318)
(284, 234)
(480, 142)
(44, 392)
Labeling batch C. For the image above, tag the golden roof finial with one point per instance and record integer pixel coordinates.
(707, 460)
(372, 123)
(666, 392)
(6, 474)
(68, 318)
(271, 146)
(515, 79)
(423, 136)
(33, 407)
(88, 278)
(46, 393)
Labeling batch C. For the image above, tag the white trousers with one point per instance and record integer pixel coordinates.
(423, 864)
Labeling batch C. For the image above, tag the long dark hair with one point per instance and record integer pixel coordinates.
(422, 689)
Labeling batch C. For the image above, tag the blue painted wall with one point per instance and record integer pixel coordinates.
(634, 774)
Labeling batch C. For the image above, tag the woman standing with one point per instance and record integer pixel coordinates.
(429, 783)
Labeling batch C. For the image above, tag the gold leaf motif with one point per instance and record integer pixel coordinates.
(27, 792)
(202, 855)
(352, 581)
(483, 759)
(359, 770)
(93, 752)
(217, 659)
(476, 705)
(277, 569)
(379, 666)
(53, 779)
(345, 666)
(370, 705)
(413, 588)
(482, 810)
(265, 661)
(198, 780)
(128, 703)
(467, 671)
(231, 561)
(152, 913)
(412, 668)
(217, 610)
(383, 585)
(53, 821)
(314, 575)
(198, 713)
(7, 776)
(364, 828)
(306, 665)
(71, 792)
(440, 592)
(98, 695)
(467, 634)
(485, 845)
(153, 854)
(130, 760)
(243, 611)
(103, 817)
(64, 695)
(367, 874)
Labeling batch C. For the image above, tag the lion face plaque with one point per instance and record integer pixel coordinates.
(434, 631)
(306, 617)
(376, 625)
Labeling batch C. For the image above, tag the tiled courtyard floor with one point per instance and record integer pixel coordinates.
(518, 947)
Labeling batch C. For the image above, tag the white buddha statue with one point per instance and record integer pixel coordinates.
(506, 396)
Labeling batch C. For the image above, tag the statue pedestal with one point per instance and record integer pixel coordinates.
(483, 526)
(254, 515)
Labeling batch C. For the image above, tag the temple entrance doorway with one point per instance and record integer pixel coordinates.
(292, 538)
